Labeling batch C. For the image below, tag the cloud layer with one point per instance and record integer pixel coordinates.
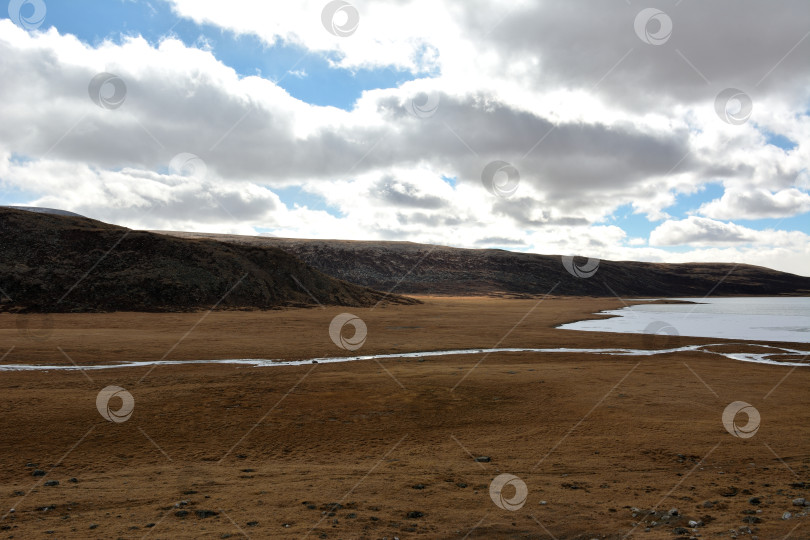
(593, 114)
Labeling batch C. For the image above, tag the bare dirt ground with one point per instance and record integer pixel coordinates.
(384, 450)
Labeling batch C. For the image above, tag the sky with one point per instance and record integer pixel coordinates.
(655, 131)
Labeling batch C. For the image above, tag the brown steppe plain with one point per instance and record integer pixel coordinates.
(386, 449)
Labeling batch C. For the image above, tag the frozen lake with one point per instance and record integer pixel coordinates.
(756, 319)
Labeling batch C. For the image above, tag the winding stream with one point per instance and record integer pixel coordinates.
(770, 357)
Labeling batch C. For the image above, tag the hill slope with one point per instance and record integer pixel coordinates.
(426, 269)
(60, 263)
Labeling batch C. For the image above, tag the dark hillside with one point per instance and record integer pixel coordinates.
(61, 263)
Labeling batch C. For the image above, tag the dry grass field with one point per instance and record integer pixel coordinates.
(386, 449)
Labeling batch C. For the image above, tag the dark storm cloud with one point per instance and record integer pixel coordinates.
(499, 241)
(405, 195)
(432, 220)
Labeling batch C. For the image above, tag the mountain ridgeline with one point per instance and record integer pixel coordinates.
(410, 268)
(55, 262)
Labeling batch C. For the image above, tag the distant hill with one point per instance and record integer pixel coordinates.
(43, 210)
(426, 269)
(51, 262)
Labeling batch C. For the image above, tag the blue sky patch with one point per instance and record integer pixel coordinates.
(795, 223)
(305, 76)
(780, 141)
(10, 196)
(452, 181)
(687, 203)
(634, 224)
(296, 195)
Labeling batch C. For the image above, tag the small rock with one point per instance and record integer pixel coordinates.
(483, 459)
(252, 523)
(787, 515)
(94, 525)
(543, 503)
(754, 500)
(752, 519)
(419, 486)
(50, 483)
(673, 512)
(202, 514)
(181, 513)
(693, 523)
(680, 530)
(461, 484)
(799, 502)
(74, 480)
(38, 472)
(414, 514)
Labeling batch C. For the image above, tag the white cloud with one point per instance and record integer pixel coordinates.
(700, 231)
(757, 204)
